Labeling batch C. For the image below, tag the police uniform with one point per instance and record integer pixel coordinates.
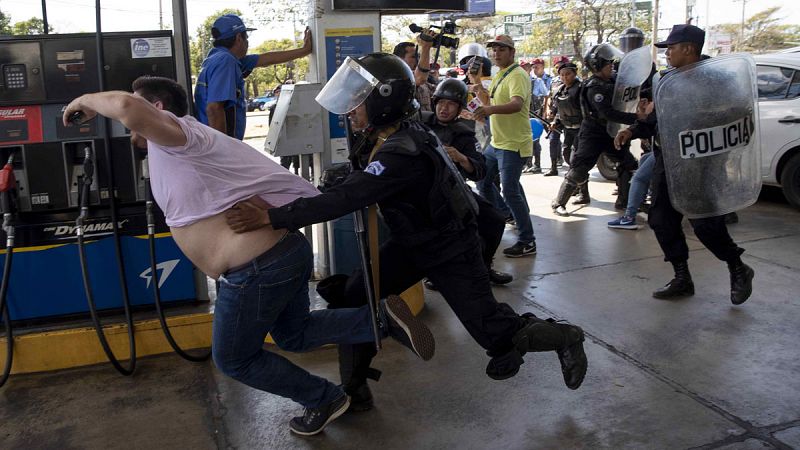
(458, 134)
(567, 107)
(593, 140)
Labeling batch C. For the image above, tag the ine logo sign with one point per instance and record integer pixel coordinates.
(166, 269)
(140, 47)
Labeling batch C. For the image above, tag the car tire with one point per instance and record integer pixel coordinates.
(790, 181)
(607, 167)
(262, 107)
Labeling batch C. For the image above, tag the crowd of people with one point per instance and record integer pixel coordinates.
(415, 140)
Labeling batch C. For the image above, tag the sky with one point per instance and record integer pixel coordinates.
(72, 16)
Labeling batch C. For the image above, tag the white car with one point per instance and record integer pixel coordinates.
(779, 110)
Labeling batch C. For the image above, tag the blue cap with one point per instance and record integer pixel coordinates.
(228, 26)
(684, 33)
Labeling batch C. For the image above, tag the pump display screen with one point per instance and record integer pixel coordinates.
(15, 76)
(401, 5)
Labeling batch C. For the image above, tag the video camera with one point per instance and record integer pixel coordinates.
(440, 39)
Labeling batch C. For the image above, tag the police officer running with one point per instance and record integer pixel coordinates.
(684, 45)
(458, 138)
(430, 212)
(593, 139)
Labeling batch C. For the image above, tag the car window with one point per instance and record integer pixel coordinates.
(773, 82)
(794, 89)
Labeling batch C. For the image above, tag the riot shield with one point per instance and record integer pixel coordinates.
(634, 69)
(709, 133)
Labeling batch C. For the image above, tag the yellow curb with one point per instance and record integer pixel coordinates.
(75, 347)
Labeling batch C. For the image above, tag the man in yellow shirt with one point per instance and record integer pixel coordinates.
(507, 105)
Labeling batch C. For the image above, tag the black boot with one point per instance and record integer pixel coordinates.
(741, 281)
(583, 195)
(553, 169)
(564, 193)
(566, 340)
(354, 370)
(500, 277)
(680, 286)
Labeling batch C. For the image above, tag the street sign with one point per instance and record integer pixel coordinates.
(518, 30)
(475, 8)
(518, 18)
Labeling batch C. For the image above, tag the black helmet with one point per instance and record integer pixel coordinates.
(451, 89)
(392, 99)
(601, 55)
(631, 39)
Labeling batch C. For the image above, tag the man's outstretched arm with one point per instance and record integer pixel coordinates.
(136, 113)
(284, 56)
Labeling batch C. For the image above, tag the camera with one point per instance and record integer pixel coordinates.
(439, 40)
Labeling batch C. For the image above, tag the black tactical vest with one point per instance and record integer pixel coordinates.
(568, 103)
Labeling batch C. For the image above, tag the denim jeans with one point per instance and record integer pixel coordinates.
(509, 164)
(640, 183)
(270, 295)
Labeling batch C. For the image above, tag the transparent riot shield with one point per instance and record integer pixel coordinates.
(709, 135)
(634, 69)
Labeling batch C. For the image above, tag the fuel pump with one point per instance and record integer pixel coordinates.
(7, 185)
(84, 183)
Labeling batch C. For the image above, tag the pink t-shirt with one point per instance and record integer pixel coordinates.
(212, 172)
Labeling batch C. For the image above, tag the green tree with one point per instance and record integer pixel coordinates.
(5, 21)
(573, 22)
(203, 42)
(274, 12)
(762, 32)
(34, 25)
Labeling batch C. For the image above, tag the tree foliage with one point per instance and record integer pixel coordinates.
(202, 43)
(762, 32)
(274, 12)
(5, 24)
(34, 25)
(565, 26)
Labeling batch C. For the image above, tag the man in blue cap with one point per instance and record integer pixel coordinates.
(220, 94)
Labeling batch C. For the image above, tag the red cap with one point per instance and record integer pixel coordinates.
(537, 61)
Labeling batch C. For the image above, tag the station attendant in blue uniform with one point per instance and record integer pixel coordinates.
(220, 94)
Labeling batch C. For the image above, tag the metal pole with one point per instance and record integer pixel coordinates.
(160, 15)
(741, 30)
(181, 32)
(633, 13)
(44, 17)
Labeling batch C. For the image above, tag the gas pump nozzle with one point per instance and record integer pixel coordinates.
(7, 183)
(148, 195)
(86, 183)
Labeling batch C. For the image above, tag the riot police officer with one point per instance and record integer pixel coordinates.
(458, 138)
(568, 117)
(400, 165)
(593, 139)
(684, 45)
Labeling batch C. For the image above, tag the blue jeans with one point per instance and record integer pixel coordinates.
(270, 295)
(640, 183)
(509, 164)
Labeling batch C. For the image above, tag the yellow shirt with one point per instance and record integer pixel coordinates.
(512, 131)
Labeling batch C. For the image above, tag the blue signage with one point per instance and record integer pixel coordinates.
(339, 44)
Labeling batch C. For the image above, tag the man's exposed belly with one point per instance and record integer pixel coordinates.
(214, 248)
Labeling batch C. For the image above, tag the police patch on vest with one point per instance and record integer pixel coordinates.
(598, 98)
(717, 140)
(375, 168)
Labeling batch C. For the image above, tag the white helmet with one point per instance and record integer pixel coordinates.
(467, 51)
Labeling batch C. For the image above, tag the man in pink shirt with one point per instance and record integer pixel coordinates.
(196, 174)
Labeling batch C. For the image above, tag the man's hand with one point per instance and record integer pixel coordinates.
(76, 106)
(643, 109)
(454, 154)
(307, 40)
(248, 215)
(482, 112)
(425, 43)
(622, 138)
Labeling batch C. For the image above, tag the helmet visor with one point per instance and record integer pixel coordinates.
(608, 52)
(347, 88)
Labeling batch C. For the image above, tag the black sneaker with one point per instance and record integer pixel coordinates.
(520, 249)
(314, 420)
(496, 277)
(573, 358)
(407, 329)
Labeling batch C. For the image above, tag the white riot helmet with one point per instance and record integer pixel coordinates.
(467, 51)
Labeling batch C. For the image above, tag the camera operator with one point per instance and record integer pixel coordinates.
(458, 139)
(407, 51)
